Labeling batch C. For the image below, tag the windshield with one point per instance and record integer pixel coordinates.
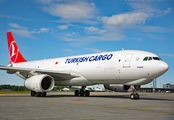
(145, 59)
(151, 58)
(156, 58)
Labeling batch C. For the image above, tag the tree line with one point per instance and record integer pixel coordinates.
(23, 88)
(59, 88)
(13, 88)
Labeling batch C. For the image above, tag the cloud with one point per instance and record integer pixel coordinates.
(168, 55)
(94, 50)
(62, 27)
(21, 30)
(153, 29)
(149, 6)
(136, 20)
(14, 25)
(44, 29)
(23, 33)
(14, 17)
(99, 37)
(70, 11)
(141, 13)
(110, 36)
(143, 5)
(45, 1)
(94, 30)
(126, 19)
(91, 29)
(73, 34)
(168, 10)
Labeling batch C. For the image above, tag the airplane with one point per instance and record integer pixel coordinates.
(97, 89)
(65, 89)
(125, 67)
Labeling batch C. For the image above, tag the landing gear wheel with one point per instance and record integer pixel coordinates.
(33, 93)
(87, 93)
(134, 96)
(137, 96)
(44, 94)
(38, 94)
(82, 93)
(76, 93)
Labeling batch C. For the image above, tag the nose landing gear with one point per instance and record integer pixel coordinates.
(134, 95)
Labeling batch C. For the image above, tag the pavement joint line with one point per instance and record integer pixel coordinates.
(117, 107)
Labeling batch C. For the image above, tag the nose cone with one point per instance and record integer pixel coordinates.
(163, 67)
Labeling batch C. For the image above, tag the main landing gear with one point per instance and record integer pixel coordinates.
(38, 94)
(82, 92)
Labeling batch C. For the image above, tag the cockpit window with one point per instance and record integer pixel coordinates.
(150, 58)
(156, 58)
(145, 59)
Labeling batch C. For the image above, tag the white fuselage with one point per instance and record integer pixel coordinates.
(120, 67)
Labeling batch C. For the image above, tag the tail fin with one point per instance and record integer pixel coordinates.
(15, 55)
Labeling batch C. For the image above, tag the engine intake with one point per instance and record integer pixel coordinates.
(40, 83)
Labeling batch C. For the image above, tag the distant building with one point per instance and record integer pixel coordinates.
(168, 86)
(158, 90)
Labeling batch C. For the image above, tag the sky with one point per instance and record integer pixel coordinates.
(45, 29)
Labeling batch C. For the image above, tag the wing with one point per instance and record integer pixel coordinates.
(57, 75)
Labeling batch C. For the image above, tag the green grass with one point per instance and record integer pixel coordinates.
(13, 92)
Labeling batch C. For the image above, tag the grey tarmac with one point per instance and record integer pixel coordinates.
(98, 106)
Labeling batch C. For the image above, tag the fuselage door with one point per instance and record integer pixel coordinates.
(127, 60)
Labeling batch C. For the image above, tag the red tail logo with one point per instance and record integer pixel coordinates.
(15, 55)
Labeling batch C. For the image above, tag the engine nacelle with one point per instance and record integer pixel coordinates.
(40, 83)
(117, 87)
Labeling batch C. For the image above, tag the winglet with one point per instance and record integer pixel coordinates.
(15, 55)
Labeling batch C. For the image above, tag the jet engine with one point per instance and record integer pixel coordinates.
(40, 83)
(117, 87)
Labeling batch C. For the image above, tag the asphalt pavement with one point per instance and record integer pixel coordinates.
(98, 106)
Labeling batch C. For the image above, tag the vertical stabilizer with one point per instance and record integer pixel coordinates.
(15, 55)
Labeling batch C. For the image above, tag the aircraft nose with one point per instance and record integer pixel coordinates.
(163, 66)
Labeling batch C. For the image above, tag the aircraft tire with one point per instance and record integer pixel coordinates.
(44, 94)
(33, 93)
(137, 96)
(76, 93)
(87, 93)
(134, 96)
(38, 94)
